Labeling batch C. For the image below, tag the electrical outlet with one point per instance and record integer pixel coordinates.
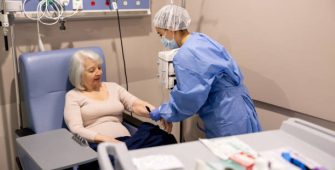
(64, 2)
(77, 4)
(125, 3)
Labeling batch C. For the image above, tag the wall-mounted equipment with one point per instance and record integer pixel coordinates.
(86, 9)
(166, 72)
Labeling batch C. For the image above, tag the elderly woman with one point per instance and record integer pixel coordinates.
(93, 109)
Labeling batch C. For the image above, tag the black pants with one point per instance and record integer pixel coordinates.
(147, 135)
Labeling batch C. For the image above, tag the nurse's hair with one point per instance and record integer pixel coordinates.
(77, 66)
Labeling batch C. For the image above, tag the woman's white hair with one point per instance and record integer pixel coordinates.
(77, 66)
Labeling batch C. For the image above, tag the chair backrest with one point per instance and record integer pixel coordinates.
(45, 81)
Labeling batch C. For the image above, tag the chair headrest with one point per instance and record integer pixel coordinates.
(44, 80)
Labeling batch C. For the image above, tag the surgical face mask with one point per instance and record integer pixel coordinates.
(170, 44)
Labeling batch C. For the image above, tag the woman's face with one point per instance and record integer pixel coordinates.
(164, 32)
(169, 35)
(91, 76)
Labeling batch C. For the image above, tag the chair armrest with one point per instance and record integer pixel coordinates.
(131, 123)
(24, 132)
(131, 120)
(20, 133)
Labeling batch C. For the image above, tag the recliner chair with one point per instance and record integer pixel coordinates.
(44, 81)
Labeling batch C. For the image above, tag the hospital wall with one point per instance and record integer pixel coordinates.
(141, 45)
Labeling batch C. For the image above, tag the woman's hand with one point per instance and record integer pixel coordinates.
(103, 138)
(167, 126)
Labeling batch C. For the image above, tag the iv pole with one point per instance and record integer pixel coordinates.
(16, 79)
(7, 21)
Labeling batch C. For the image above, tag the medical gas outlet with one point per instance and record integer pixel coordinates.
(77, 4)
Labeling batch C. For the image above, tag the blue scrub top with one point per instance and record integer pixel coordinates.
(210, 83)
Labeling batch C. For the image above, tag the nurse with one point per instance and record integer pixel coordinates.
(209, 81)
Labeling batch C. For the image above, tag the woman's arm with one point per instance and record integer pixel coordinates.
(132, 103)
(139, 108)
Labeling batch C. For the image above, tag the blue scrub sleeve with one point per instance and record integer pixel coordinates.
(187, 97)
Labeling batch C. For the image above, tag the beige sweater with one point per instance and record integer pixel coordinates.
(89, 117)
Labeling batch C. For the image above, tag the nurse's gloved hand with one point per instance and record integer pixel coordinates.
(154, 115)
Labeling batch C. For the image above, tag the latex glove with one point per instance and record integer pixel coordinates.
(155, 115)
(167, 126)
